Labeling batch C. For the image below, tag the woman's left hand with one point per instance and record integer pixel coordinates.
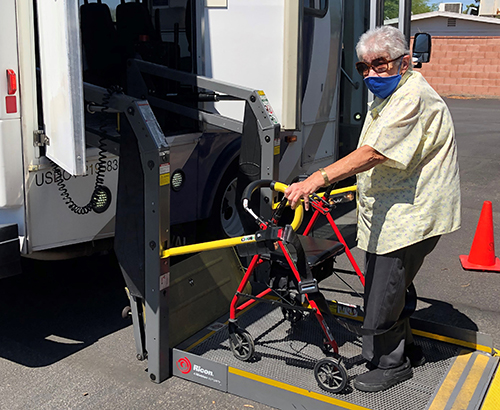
(301, 190)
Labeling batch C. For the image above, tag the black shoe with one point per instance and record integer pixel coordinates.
(381, 379)
(415, 354)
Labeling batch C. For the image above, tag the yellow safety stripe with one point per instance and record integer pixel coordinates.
(427, 335)
(442, 398)
(297, 390)
(476, 364)
(202, 339)
(470, 384)
(492, 400)
(445, 391)
(451, 340)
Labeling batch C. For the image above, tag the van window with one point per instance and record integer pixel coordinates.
(117, 32)
(317, 8)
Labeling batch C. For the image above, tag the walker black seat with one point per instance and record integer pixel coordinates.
(318, 253)
(319, 250)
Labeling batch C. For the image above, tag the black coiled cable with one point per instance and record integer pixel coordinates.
(100, 165)
(61, 186)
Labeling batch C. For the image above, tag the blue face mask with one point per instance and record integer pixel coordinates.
(382, 87)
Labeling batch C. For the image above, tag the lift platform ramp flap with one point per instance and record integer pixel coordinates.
(460, 372)
(201, 288)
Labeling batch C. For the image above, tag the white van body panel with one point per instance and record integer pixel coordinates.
(62, 84)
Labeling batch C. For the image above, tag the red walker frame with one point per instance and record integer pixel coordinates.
(320, 207)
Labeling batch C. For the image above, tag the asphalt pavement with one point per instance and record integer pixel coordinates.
(64, 345)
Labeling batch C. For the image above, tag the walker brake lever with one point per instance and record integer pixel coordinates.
(317, 198)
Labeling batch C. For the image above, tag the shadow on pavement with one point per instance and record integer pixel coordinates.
(445, 313)
(57, 308)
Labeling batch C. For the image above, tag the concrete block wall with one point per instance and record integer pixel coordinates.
(464, 66)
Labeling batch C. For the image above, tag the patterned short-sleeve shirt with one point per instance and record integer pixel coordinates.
(415, 194)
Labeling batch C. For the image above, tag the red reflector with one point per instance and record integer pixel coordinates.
(10, 104)
(11, 82)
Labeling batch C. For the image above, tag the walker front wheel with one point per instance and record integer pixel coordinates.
(330, 375)
(241, 344)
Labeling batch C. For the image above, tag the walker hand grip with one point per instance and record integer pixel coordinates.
(275, 186)
(253, 186)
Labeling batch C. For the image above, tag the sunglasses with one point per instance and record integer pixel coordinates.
(379, 65)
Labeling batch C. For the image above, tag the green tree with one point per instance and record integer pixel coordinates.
(475, 6)
(391, 8)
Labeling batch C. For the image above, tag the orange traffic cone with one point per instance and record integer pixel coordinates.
(482, 251)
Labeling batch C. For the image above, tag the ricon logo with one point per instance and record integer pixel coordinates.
(184, 365)
(202, 370)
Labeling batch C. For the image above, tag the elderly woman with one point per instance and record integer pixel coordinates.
(408, 196)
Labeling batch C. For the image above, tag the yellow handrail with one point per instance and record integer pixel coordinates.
(208, 246)
(298, 216)
(342, 190)
(240, 240)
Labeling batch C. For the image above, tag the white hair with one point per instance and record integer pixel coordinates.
(382, 40)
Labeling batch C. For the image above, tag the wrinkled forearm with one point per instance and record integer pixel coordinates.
(360, 160)
(363, 159)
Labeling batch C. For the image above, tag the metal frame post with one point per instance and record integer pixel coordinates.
(404, 23)
(154, 155)
(376, 13)
(155, 160)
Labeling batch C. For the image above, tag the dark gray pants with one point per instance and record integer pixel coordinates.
(388, 287)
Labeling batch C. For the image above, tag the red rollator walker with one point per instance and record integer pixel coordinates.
(297, 264)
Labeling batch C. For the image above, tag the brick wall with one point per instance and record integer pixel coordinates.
(464, 66)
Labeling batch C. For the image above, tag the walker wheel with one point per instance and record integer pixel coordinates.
(326, 347)
(330, 375)
(126, 312)
(293, 316)
(241, 344)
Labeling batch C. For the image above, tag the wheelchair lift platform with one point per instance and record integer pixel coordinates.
(461, 369)
(459, 372)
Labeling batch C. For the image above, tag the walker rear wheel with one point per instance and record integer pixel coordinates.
(241, 344)
(293, 316)
(330, 375)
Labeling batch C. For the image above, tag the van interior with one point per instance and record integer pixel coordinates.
(116, 32)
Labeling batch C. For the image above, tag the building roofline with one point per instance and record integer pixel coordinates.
(448, 14)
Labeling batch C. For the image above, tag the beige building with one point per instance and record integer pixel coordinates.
(465, 58)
